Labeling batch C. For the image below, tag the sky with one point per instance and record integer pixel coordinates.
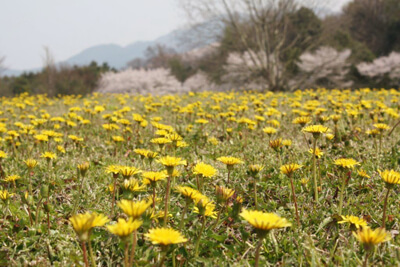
(68, 27)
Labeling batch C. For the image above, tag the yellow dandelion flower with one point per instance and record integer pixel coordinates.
(204, 170)
(168, 161)
(151, 155)
(276, 144)
(123, 228)
(330, 136)
(82, 223)
(318, 153)
(302, 120)
(269, 130)
(137, 117)
(346, 163)
(134, 209)
(316, 130)
(141, 152)
(75, 138)
(160, 141)
(288, 169)
(205, 207)
(181, 144)
(41, 137)
(254, 169)
(188, 192)
(369, 238)
(48, 155)
(31, 163)
(286, 142)
(3, 155)
(174, 137)
(110, 126)
(381, 126)
(165, 236)
(213, 141)
(201, 121)
(83, 168)
(354, 221)
(304, 181)
(363, 174)
(153, 177)
(335, 118)
(114, 169)
(5, 195)
(133, 185)
(61, 149)
(390, 177)
(264, 221)
(127, 171)
(230, 161)
(223, 193)
(11, 178)
(117, 138)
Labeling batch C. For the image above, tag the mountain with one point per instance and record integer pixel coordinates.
(117, 56)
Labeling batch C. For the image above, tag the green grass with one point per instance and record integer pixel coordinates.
(319, 241)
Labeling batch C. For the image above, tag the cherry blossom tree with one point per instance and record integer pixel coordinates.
(140, 81)
(324, 67)
(382, 68)
(154, 81)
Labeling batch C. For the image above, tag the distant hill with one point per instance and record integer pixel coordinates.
(117, 56)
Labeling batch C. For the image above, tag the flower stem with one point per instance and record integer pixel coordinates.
(341, 195)
(48, 222)
(1, 171)
(77, 200)
(154, 197)
(173, 259)
(315, 172)
(113, 197)
(221, 211)
(197, 182)
(365, 263)
(305, 139)
(255, 193)
(30, 215)
(295, 202)
(258, 249)
(163, 259)
(196, 253)
(92, 259)
(384, 208)
(167, 200)
(126, 254)
(85, 258)
(37, 212)
(30, 182)
(134, 240)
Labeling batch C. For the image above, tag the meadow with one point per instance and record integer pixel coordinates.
(307, 178)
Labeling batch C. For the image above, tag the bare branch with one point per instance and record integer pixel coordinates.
(261, 30)
(2, 66)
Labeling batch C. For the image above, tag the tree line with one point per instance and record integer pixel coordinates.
(279, 44)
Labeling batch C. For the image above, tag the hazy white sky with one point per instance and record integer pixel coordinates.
(68, 27)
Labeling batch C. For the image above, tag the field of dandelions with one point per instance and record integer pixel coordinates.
(308, 178)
